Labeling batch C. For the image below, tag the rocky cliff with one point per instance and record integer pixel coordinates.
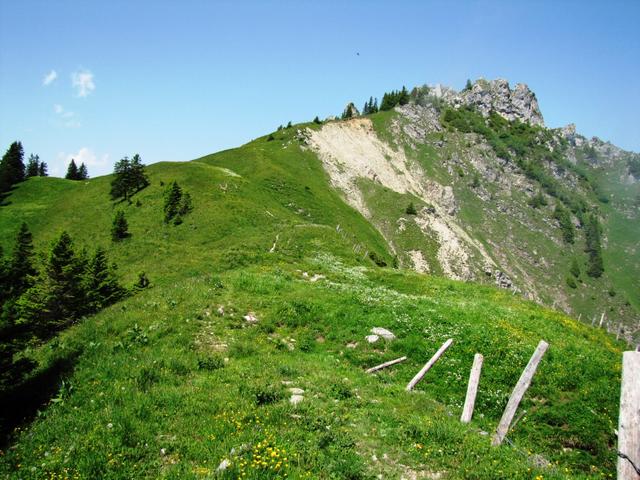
(488, 193)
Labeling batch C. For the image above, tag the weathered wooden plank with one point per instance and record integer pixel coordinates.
(629, 419)
(472, 389)
(428, 365)
(386, 364)
(518, 392)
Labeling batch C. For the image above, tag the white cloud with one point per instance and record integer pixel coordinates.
(69, 119)
(82, 81)
(49, 78)
(86, 156)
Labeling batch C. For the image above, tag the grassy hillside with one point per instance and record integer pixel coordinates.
(167, 385)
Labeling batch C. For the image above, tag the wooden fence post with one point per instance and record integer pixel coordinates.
(428, 365)
(472, 389)
(629, 419)
(518, 392)
(385, 365)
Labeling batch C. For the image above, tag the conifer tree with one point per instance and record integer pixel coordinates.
(375, 106)
(58, 296)
(4, 277)
(72, 171)
(33, 166)
(595, 265)
(317, 120)
(101, 284)
(21, 269)
(172, 198)
(83, 173)
(468, 85)
(564, 219)
(403, 97)
(42, 170)
(119, 227)
(130, 178)
(11, 167)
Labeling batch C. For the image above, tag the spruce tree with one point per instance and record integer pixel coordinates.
(101, 284)
(138, 175)
(403, 97)
(83, 173)
(119, 227)
(317, 120)
(58, 296)
(21, 269)
(4, 277)
(468, 85)
(72, 171)
(172, 198)
(595, 265)
(42, 170)
(11, 167)
(130, 178)
(33, 166)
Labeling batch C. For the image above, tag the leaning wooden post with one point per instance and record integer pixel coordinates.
(518, 392)
(386, 364)
(428, 365)
(472, 389)
(629, 420)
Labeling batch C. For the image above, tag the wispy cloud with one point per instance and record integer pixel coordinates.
(69, 119)
(82, 81)
(49, 78)
(85, 155)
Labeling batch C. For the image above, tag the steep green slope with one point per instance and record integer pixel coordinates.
(161, 385)
(244, 199)
(166, 387)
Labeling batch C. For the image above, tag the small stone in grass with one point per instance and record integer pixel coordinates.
(296, 399)
(372, 338)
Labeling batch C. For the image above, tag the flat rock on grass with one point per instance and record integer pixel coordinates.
(383, 332)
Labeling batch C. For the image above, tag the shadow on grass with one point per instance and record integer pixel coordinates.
(19, 405)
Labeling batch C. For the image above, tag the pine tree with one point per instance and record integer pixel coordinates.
(83, 173)
(58, 296)
(11, 167)
(21, 269)
(5, 284)
(595, 265)
(375, 106)
(72, 171)
(564, 220)
(289, 124)
(403, 97)
(119, 227)
(468, 85)
(172, 198)
(138, 175)
(33, 166)
(101, 284)
(130, 178)
(42, 170)
(317, 120)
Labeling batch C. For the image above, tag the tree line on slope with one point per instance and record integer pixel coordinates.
(13, 170)
(43, 294)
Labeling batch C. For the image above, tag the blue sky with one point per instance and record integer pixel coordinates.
(178, 80)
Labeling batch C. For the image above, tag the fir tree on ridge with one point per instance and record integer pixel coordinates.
(12, 169)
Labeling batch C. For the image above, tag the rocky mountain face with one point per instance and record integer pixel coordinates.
(489, 184)
(487, 96)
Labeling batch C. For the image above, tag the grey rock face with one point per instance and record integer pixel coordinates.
(517, 104)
